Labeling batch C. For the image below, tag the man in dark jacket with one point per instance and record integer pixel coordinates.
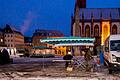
(5, 57)
(68, 57)
(1, 58)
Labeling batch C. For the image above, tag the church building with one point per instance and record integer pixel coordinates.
(97, 23)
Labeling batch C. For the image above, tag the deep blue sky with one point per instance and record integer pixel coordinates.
(28, 15)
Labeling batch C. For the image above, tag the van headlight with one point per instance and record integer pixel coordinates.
(114, 59)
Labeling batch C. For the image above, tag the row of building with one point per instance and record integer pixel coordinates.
(15, 41)
(97, 23)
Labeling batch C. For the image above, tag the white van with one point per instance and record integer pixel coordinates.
(112, 52)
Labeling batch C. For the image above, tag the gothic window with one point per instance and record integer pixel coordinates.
(114, 29)
(87, 31)
(80, 30)
(96, 30)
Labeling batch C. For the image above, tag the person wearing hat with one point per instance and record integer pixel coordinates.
(68, 57)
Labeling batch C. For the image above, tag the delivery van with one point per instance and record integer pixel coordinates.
(112, 53)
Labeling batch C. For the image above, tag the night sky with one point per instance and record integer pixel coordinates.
(28, 15)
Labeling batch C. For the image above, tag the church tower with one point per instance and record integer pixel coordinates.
(81, 3)
(78, 4)
(76, 29)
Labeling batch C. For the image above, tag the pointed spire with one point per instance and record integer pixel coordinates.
(78, 3)
(81, 3)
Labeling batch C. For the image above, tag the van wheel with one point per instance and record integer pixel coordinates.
(110, 71)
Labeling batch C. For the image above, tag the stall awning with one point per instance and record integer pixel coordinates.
(69, 41)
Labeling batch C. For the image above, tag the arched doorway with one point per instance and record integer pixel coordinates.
(114, 29)
(87, 31)
(105, 31)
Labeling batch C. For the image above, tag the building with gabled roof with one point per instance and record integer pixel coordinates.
(40, 33)
(13, 39)
(44, 34)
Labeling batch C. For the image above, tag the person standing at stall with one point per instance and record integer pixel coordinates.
(88, 58)
(68, 57)
(101, 58)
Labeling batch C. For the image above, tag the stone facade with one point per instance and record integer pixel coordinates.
(93, 21)
(13, 39)
(97, 23)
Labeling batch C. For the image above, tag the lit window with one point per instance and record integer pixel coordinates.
(1, 40)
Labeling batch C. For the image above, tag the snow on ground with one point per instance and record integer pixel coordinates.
(34, 69)
(62, 78)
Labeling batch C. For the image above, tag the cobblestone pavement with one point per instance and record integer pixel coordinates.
(50, 71)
